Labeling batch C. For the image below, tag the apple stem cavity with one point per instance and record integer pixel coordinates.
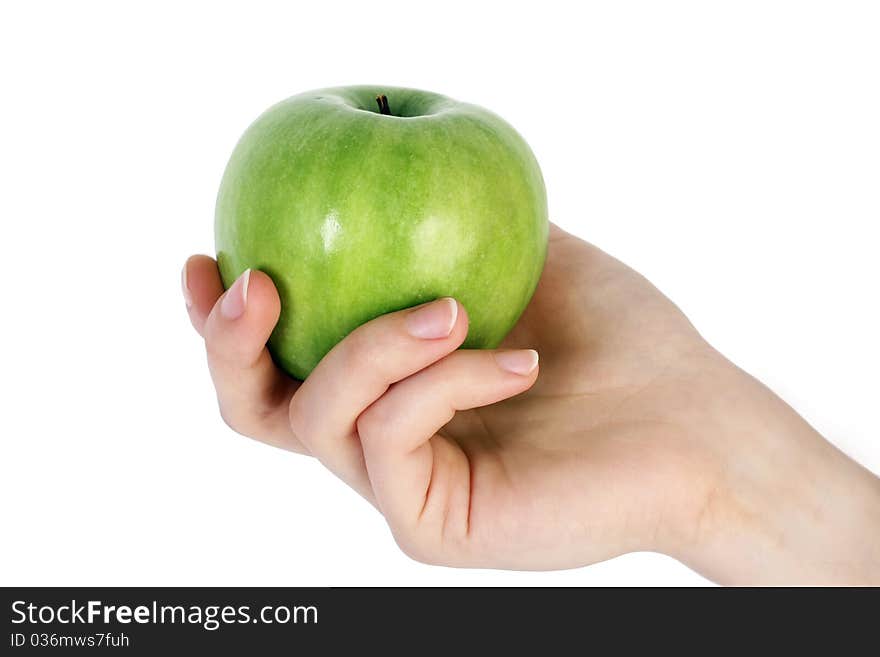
(382, 100)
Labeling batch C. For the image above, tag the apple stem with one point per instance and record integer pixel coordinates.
(382, 100)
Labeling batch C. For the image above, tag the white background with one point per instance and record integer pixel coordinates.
(729, 151)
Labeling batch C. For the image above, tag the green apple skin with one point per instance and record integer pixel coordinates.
(354, 213)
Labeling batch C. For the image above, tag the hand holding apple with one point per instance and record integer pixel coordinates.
(637, 435)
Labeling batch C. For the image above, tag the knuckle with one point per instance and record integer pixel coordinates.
(360, 353)
(232, 420)
(381, 419)
(249, 421)
(417, 549)
(372, 423)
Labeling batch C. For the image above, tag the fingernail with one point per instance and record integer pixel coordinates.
(187, 295)
(235, 299)
(434, 320)
(522, 361)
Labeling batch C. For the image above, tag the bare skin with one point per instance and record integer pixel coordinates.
(636, 435)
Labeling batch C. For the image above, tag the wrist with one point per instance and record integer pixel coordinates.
(783, 505)
(812, 531)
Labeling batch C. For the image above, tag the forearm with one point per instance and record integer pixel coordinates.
(788, 507)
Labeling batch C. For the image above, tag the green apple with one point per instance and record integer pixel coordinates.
(363, 200)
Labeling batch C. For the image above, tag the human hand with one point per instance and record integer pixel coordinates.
(637, 435)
